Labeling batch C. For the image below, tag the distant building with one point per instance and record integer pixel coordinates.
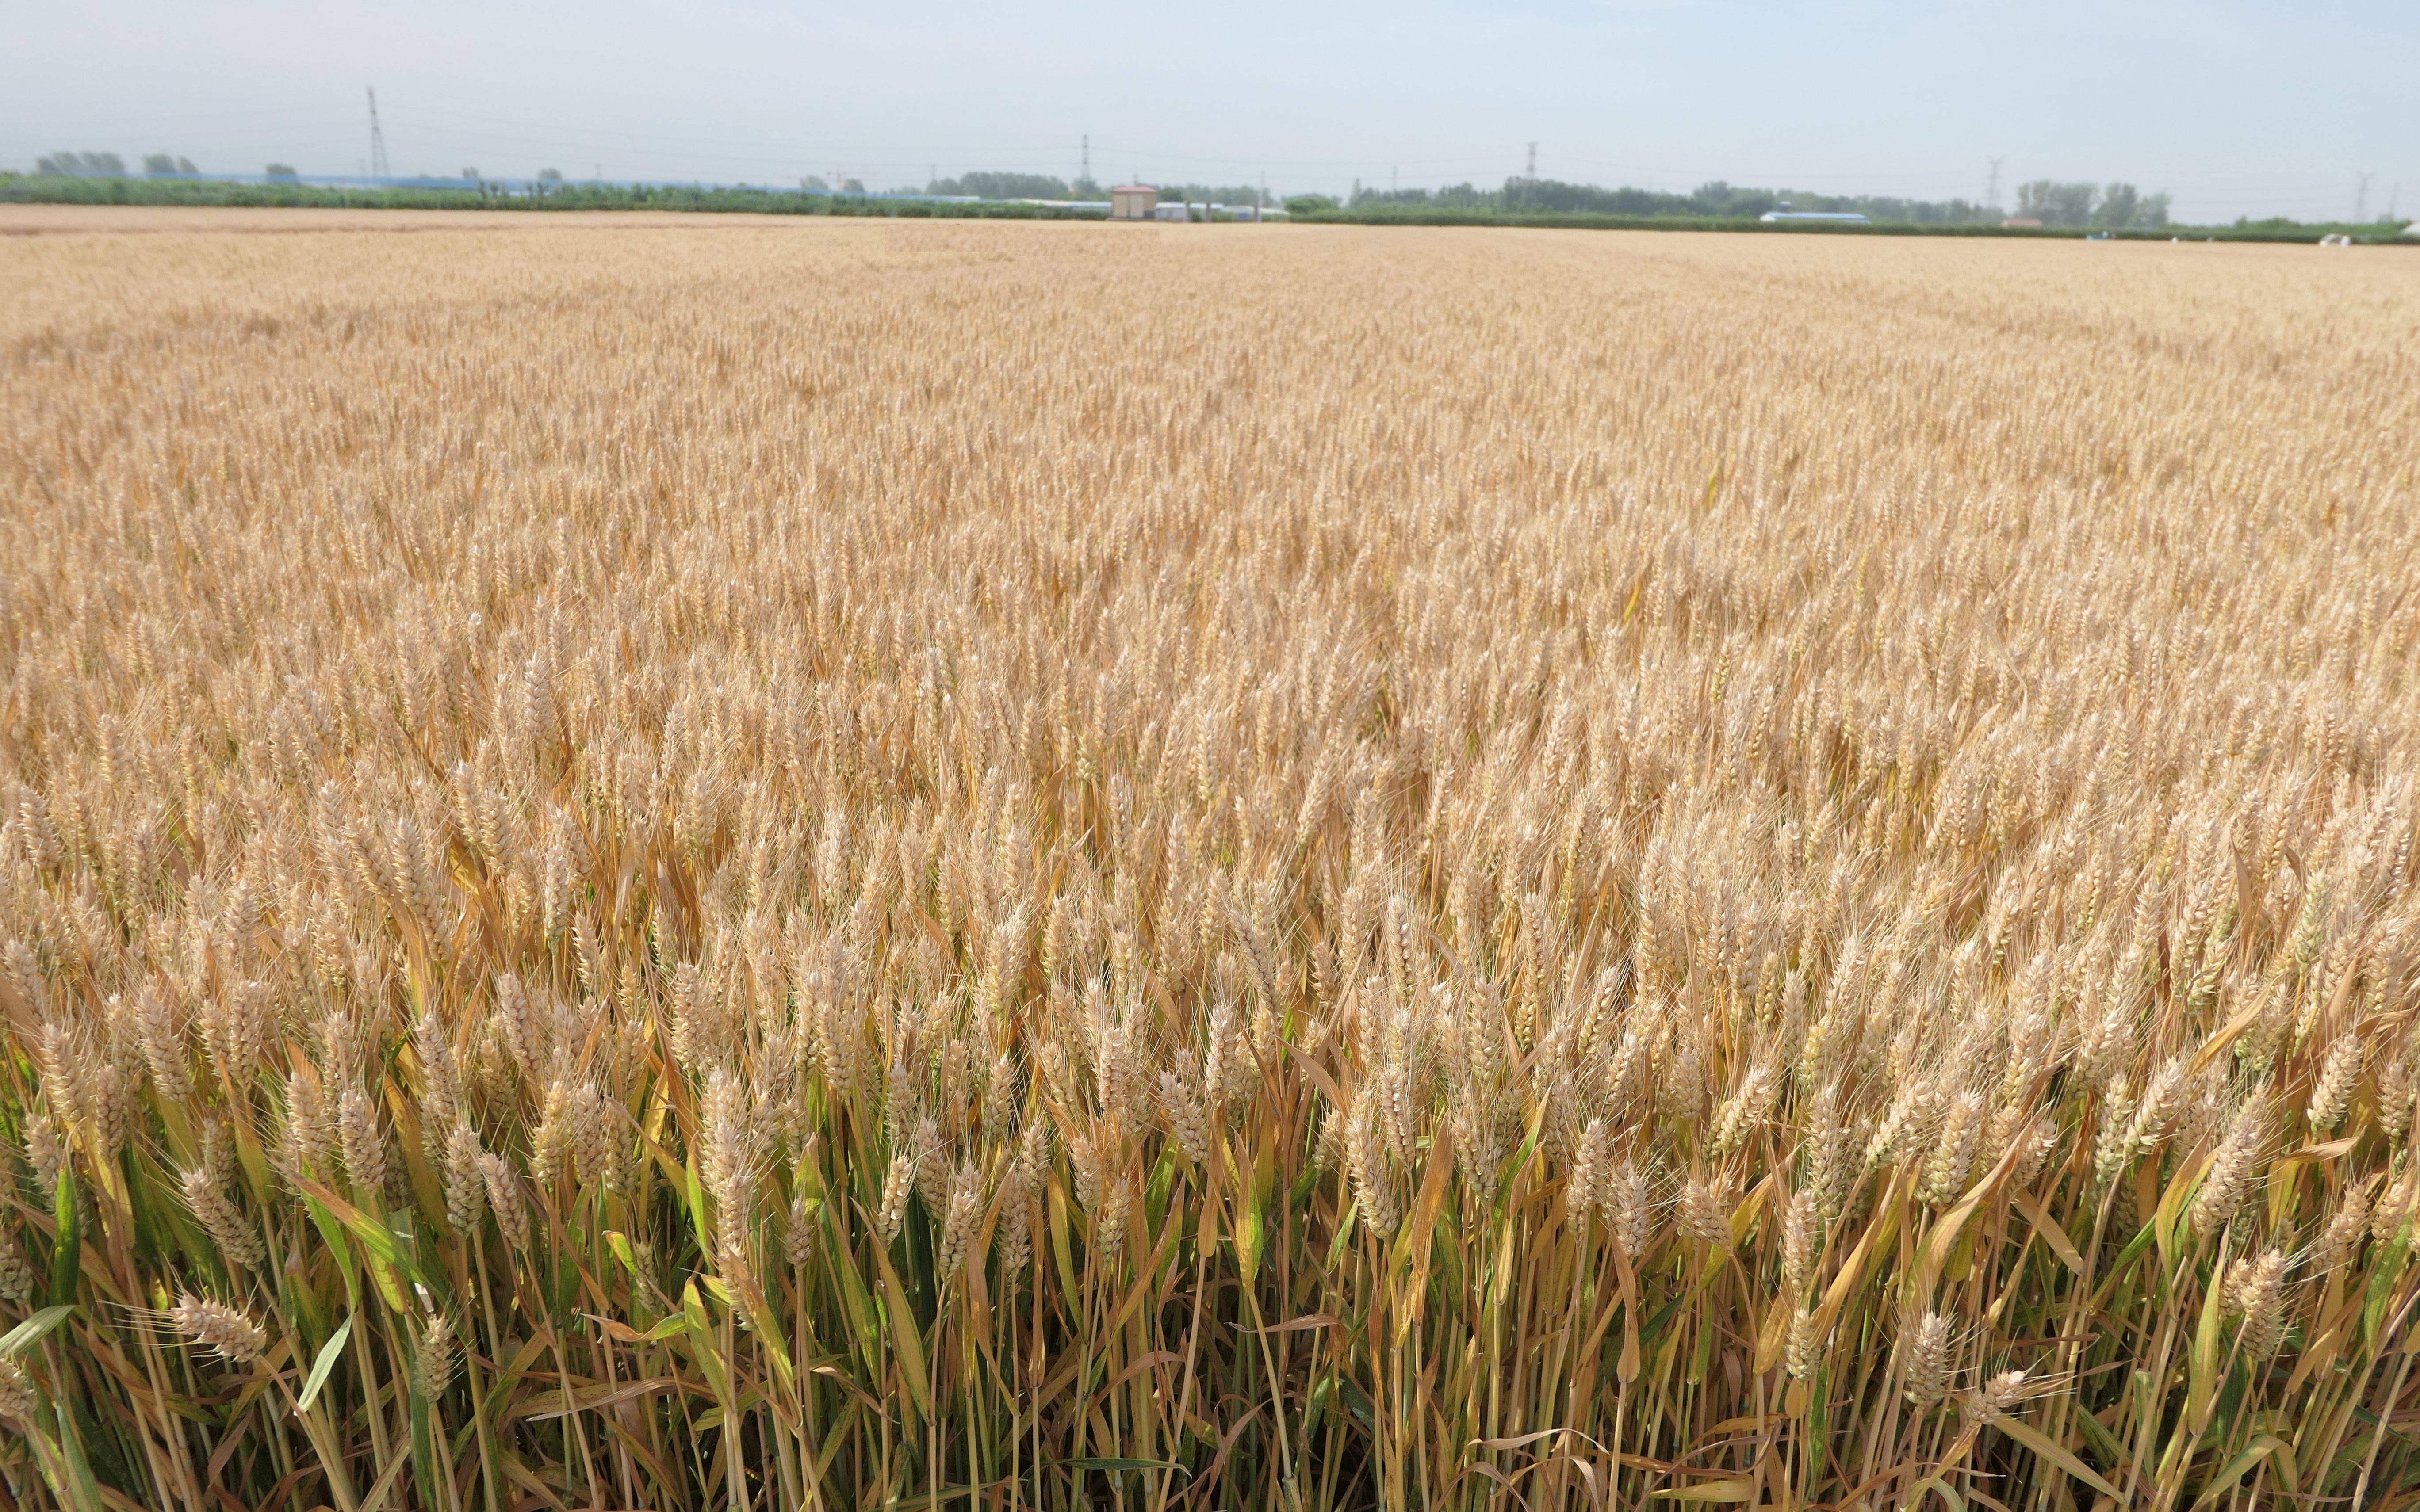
(1133, 202)
(2021, 222)
(1172, 212)
(1843, 216)
(2413, 230)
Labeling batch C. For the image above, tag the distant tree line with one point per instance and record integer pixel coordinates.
(1716, 200)
(110, 165)
(539, 194)
(2115, 207)
(472, 191)
(982, 185)
(986, 185)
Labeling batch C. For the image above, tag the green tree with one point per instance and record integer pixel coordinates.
(2123, 205)
(2053, 202)
(1000, 186)
(2119, 202)
(105, 164)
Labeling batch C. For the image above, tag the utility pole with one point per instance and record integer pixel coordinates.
(1991, 196)
(377, 140)
(2361, 196)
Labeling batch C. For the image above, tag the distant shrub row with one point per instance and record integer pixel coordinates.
(64, 189)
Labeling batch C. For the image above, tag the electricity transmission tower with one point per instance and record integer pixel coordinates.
(2361, 196)
(1530, 175)
(1991, 196)
(377, 140)
(1084, 174)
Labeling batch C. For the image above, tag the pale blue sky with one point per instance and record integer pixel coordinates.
(2236, 108)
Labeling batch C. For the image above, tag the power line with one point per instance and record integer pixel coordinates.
(378, 141)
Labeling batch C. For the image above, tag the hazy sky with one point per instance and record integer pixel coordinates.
(2236, 108)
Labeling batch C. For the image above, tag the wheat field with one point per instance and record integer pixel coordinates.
(692, 863)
